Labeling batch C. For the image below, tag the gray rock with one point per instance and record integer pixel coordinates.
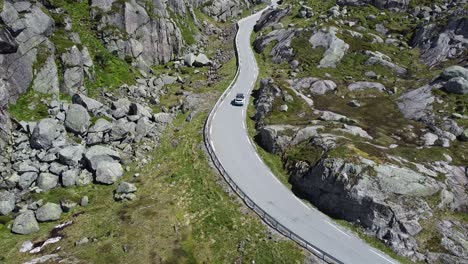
(67, 205)
(357, 86)
(46, 80)
(430, 139)
(142, 128)
(84, 178)
(26, 179)
(77, 119)
(273, 139)
(121, 107)
(443, 40)
(322, 86)
(88, 103)
(378, 58)
(163, 118)
(283, 108)
(47, 181)
(125, 187)
(201, 60)
(57, 168)
(25, 223)
(84, 201)
(140, 110)
(189, 59)
(97, 154)
(101, 125)
(335, 47)
(7, 202)
(123, 129)
(49, 212)
(455, 71)
(417, 104)
(457, 85)
(73, 79)
(271, 17)
(8, 43)
(71, 155)
(282, 50)
(45, 133)
(108, 172)
(69, 178)
(392, 5)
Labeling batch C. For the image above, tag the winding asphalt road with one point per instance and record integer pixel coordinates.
(232, 146)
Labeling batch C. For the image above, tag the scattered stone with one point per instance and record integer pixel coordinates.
(67, 205)
(84, 201)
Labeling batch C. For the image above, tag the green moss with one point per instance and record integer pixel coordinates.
(29, 106)
(304, 152)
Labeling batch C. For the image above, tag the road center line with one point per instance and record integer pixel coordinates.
(341, 231)
(382, 256)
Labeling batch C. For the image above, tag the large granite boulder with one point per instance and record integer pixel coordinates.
(98, 154)
(77, 119)
(25, 223)
(49, 212)
(108, 172)
(46, 132)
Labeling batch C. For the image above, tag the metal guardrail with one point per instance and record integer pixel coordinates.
(268, 219)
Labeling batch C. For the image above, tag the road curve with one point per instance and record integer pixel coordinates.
(226, 134)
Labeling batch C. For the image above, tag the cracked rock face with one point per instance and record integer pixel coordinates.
(441, 42)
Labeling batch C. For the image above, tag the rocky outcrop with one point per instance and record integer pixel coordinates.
(313, 85)
(385, 199)
(150, 39)
(268, 93)
(271, 17)
(282, 50)
(440, 42)
(392, 5)
(335, 48)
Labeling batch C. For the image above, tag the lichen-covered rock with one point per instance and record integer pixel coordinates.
(25, 223)
(7, 202)
(77, 119)
(271, 17)
(335, 48)
(282, 50)
(46, 132)
(439, 42)
(46, 80)
(49, 212)
(108, 172)
(47, 181)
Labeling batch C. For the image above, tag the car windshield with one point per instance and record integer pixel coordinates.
(240, 96)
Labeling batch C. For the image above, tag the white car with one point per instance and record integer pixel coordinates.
(239, 100)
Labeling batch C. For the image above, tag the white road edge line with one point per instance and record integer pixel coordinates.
(243, 126)
(334, 226)
(211, 130)
(382, 256)
(214, 115)
(276, 178)
(243, 111)
(212, 145)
